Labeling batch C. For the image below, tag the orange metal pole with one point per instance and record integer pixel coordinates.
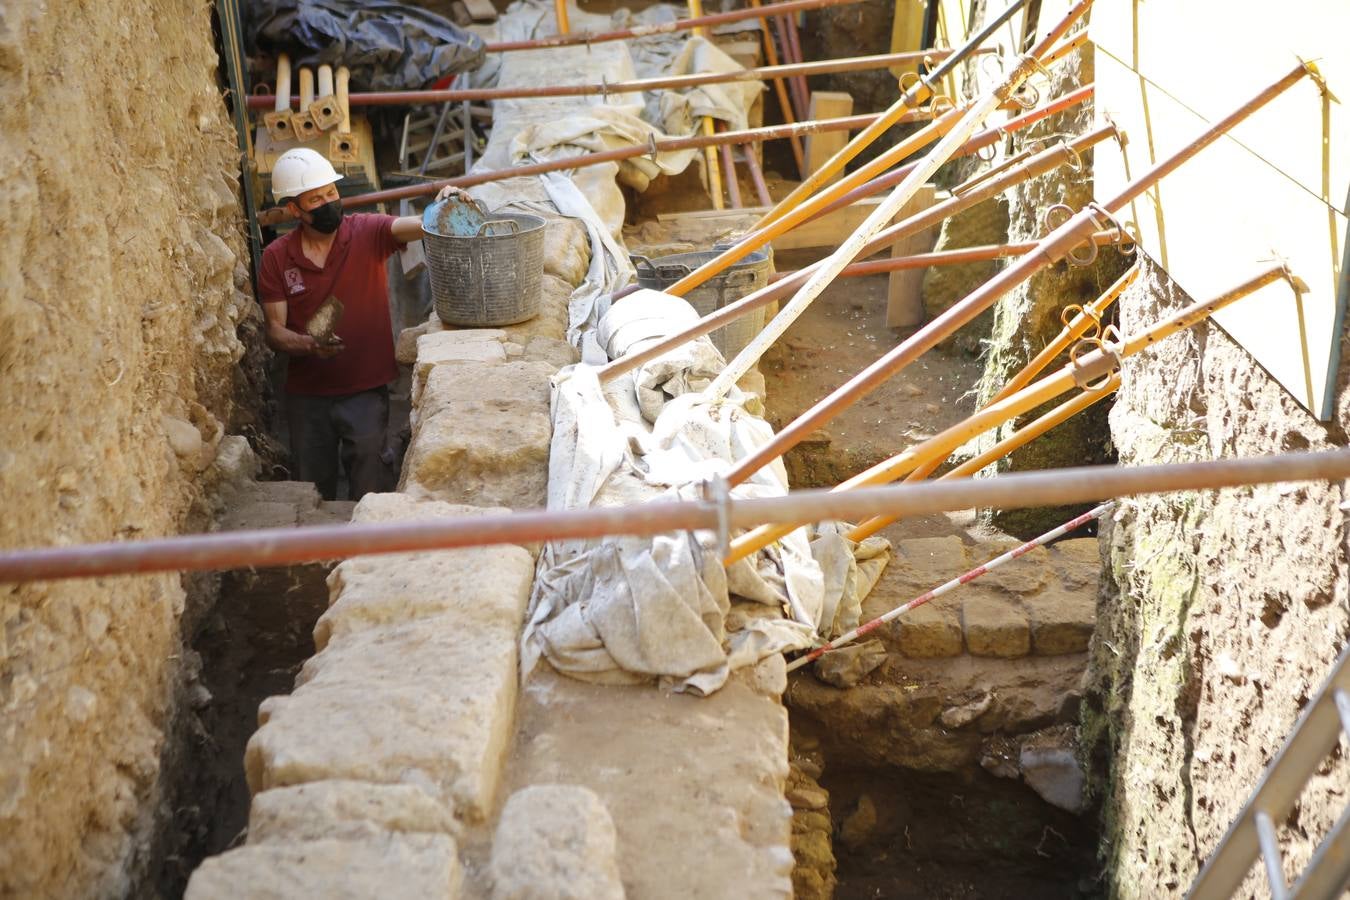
(1039, 164)
(1018, 439)
(1073, 329)
(1054, 247)
(1097, 364)
(789, 212)
(908, 100)
(560, 9)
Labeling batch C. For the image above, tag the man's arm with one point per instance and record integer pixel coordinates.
(409, 228)
(292, 343)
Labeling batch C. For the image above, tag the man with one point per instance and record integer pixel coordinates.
(337, 391)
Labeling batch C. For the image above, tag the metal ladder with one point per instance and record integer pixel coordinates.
(1322, 725)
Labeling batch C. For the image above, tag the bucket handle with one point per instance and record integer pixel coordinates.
(483, 229)
(648, 269)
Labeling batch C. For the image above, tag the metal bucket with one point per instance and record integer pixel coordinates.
(750, 274)
(491, 277)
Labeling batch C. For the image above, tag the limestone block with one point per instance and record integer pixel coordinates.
(330, 512)
(995, 627)
(483, 452)
(1061, 621)
(551, 322)
(931, 631)
(391, 867)
(567, 250)
(482, 587)
(1024, 575)
(850, 664)
(552, 351)
(301, 494)
(521, 382)
(258, 515)
(555, 842)
(347, 810)
(921, 564)
(428, 703)
(1078, 562)
(475, 345)
(1055, 773)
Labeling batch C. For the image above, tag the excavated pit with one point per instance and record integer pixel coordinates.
(910, 782)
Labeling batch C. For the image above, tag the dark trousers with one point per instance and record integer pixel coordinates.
(350, 428)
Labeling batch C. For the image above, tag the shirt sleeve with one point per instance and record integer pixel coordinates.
(380, 232)
(271, 288)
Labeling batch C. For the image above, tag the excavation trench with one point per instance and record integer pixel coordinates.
(913, 780)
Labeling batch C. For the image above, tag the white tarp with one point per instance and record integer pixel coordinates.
(633, 609)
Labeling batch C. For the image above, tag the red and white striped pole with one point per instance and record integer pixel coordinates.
(952, 585)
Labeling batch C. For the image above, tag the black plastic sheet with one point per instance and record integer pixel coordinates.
(387, 46)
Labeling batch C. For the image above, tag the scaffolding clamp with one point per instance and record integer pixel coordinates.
(717, 491)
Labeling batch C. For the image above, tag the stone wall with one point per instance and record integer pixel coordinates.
(1221, 612)
(122, 291)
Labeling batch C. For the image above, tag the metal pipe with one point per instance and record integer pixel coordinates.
(729, 170)
(780, 90)
(884, 239)
(560, 10)
(772, 132)
(911, 98)
(344, 98)
(281, 101)
(599, 37)
(1071, 331)
(670, 82)
(1018, 439)
(949, 586)
(818, 206)
(1054, 247)
(756, 174)
(325, 80)
(982, 253)
(289, 546)
(960, 132)
(780, 219)
(1079, 372)
(306, 87)
(796, 85)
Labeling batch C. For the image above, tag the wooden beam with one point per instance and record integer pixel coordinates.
(904, 288)
(820, 147)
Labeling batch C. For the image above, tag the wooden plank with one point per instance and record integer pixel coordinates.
(828, 230)
(904, 289)
(820, 147)
(907, 32)
(1217, 218)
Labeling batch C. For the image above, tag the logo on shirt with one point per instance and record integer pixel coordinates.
(295, 284)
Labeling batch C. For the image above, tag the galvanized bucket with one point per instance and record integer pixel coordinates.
(750, 274)
(491, 277)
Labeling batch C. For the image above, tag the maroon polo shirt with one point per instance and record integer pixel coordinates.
(354, 273)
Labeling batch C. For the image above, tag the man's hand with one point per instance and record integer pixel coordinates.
(451, 191)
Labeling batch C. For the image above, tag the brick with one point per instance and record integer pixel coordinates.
(347, 810)
(1061, 621)
(390, 866)
(995, 627)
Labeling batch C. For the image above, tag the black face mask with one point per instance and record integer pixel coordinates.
(326, 219)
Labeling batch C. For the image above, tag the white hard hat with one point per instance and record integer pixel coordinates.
(301, 170)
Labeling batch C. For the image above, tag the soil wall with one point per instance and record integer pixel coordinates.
(1221, 611)
(122, 298)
